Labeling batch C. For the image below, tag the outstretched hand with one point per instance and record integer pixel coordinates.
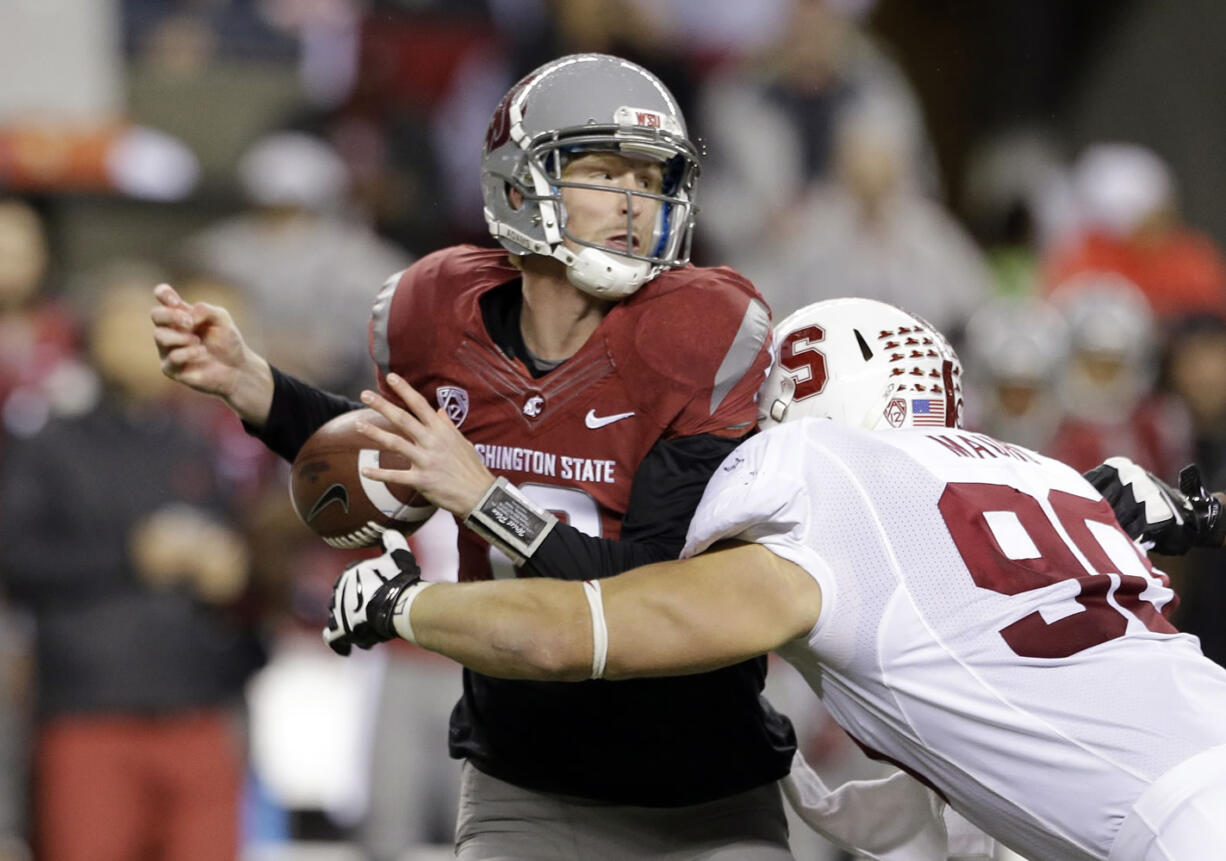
(201, 347)
(446, 469)
(1171, 520)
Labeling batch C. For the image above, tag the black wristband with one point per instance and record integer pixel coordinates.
(382, 610)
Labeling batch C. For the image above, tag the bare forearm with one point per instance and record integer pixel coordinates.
(671, 618)
(514, 629)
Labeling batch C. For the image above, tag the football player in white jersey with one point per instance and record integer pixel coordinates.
(964, 607)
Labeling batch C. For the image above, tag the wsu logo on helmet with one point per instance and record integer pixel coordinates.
(454, 401)
(499, 130)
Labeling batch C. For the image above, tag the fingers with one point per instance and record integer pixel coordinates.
(168, 296)
(168, 339)
(336, 640)
(386, 439)
(204, 314)
(174, 318)
(173, 310)
(413, 400)
(179, 362)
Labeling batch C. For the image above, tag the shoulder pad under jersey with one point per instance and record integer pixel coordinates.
(429, 301)
(701, 330)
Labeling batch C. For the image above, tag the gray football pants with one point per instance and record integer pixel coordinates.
(501, 822)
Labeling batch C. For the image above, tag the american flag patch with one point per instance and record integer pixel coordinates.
(928, 412)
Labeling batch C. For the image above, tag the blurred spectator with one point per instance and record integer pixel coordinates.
(771, 123)
(1131, 226)
(641, 31)
(16, 688)
(303, 261)
(1013, 349)
(411, 125)
(1106, 390)
(116, 538)
(246, 466)
(1016, 199)
(38, 337)
(1194, 372)
(414, 783)
(187, 33)
(869, 232)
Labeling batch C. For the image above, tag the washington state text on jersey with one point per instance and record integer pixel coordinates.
(517, 459)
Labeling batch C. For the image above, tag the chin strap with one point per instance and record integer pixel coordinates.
(602, 274)
(598, 273)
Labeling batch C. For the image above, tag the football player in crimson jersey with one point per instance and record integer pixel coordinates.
(964, 607)
(600, 379)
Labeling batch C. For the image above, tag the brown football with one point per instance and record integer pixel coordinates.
(336, 501)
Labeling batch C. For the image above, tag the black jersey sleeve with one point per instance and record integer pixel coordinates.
(297, 410)
(666, 490)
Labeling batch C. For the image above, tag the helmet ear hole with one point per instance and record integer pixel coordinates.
(515, 197)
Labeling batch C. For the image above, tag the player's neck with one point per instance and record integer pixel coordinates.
(557, 318)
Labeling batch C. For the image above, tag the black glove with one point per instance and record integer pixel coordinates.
(1172, 521)
(364, 597)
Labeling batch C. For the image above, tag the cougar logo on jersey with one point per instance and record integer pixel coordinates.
(454, 401)
(534, 405)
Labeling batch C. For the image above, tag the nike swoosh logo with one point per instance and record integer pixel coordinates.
(594, 421)
(336, 493)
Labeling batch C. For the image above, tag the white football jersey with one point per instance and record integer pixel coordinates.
(985, 623)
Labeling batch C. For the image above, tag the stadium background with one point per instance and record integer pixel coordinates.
(157, 138)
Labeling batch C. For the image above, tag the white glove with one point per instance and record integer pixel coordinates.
(364, 597)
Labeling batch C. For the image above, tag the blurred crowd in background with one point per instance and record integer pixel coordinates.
(1041, 180)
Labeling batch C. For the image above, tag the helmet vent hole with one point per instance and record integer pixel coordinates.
(864, 348)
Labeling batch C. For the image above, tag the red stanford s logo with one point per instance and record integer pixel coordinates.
(806, 362)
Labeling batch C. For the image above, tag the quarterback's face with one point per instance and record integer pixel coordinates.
(599, 217)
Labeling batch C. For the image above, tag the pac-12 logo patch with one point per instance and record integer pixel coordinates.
(454, 401)
(896, 412)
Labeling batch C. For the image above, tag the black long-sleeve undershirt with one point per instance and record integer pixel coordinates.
(667, 487)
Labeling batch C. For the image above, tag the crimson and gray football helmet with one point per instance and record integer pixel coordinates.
(587, 102)
(862, 363)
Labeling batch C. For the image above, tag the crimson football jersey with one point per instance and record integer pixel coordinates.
(683, 356)
(670, 371)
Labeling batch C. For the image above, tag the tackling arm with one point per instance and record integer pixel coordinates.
(683, 616)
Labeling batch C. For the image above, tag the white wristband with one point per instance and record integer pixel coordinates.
(400, 615)
(600, 630)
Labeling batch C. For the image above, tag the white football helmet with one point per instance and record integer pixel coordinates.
(862, 363)
(587, 102)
